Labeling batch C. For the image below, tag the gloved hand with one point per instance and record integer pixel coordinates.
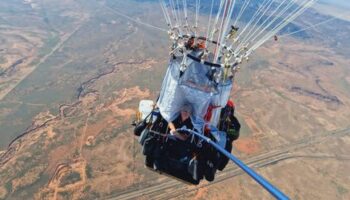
(172, 132)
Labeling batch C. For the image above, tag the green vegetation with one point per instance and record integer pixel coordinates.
(340, 189)
(8, 186)
(87, 189)
(26, 162)
(35, 62)
(279, 94)
(12, 124)
(70, 178)
(343, 84)
(2, 60)
(297, 197)
(45, 195)
(76, 152)
(88, 171)
(109, 133)
(27, 191)
(93, 195)
(49, 44)
(66, 195)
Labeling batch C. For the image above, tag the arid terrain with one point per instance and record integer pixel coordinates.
(72, 74)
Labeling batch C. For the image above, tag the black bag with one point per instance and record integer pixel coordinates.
(143, 124)
(193, 168)
(223, 159)
(149, 146)
(144, 135)
(160, 125)
(140, 127)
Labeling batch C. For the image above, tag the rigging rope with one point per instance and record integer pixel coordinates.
(288, 19)
(243, 40)
(253, 34)
(165, 12)
(223, 19)
(245, 5)
(261, 33)
(255, 15)
(208, 31)
(177, 9)
(222, 3)
(283, 11)
(117, 12)
(184, 2)
(232, 6)
(228, 19)
(216, 20)
(277, 29)
(171, 3)
(250, 21)
(255, 26)
(309, 27)
(269, 18)
(198, 2)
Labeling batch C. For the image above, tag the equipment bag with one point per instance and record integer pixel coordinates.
(144, 135)
(149, 145)
(140, 127)
(193, 168)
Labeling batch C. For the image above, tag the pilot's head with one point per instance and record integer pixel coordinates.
(186, 111)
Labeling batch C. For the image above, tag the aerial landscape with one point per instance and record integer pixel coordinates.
(72, 73)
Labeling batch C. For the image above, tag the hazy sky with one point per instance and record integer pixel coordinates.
(337, 8)
(343, 3)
